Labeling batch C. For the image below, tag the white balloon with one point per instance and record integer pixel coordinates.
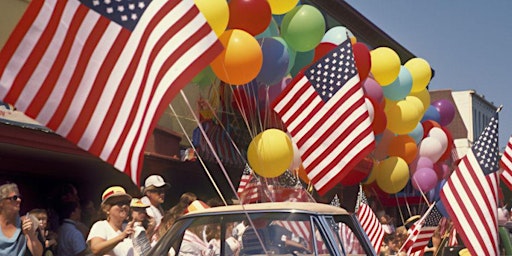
(297, 161)
(431, 147)
(439, 135)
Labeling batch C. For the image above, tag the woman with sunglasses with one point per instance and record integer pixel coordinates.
(111, 236)
(18, 235)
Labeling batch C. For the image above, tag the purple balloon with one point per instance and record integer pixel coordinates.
(446, 111)
(424, 179)
(421, 162)
(373, 90)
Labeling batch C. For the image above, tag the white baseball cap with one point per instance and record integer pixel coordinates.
(155, 181)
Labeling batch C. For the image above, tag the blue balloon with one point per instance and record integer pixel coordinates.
(431, 114)
(275, 61)
(291, 52)
(442, 209)
(417, 133)
(335, 35)
(399, 88)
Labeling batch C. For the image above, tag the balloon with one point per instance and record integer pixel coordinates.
(275, 61)
(296, 161)
(431, 148)
(447, 152)
(363, 60)
(385, 65)
(417, 133)
(335, 35)
(358, 173)
(216, 13)
(253, 16)
(282, 6)
(423, 96)
(439, 135)
(381, 150)
(421, 162)
(402, 116)
(421, 73)
(442, 170)
(379, 120)
(303, 175)
(393, 175)
(404, 147)
(302, 59)
(373, 174)
(424, 179)
(270, 153)
(429, 124)
(241, 60)
(271, 31)
(446, 111)
(399, 88)
(322, 49)
(303, 28)
(431, 114)
(373, 90)
(291, 53)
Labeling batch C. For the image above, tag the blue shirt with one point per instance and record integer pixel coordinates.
(71, 240)
(15, 245)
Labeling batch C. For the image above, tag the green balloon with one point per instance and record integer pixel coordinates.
(303, 28)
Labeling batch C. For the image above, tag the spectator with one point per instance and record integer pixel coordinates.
(18, 235)
(49, 237)
(71, 239)
(154, 195)
(172, 214)
(111, 236)
(140, 237)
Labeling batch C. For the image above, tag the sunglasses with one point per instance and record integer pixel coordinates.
(158, 191)
(14, 198)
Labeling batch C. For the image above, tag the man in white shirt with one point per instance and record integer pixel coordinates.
(154, 195)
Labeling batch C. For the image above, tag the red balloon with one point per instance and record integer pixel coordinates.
(380, 119)
(359, 173)
(322, 49)
(448, 151)
(253, 16)
(363, 60)
(427, 125)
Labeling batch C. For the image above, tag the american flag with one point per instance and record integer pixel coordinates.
(470, 194)
(369, 222)
(506, 164)
(101, 73)
(422, 231)
(249, 188)
(325, 113)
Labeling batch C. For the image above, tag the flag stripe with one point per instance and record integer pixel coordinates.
(506, 164)
(98, 83)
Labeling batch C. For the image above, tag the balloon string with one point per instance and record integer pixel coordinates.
(198, 156)
(243, 114)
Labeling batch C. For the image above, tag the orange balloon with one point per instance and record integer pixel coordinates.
(241, 60)
(403, 146)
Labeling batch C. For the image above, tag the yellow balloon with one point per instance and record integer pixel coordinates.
(393, 175)
(402, 116)
(385, 65)
(421, 73)
(270, 153)
(241, 60)
(216, 13)
(281, 6)
(424, 97)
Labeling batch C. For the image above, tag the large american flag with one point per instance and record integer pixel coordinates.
(470, 194)
(422, 231)
(369, 222)
(324, 110)
(506, 164)
(100, 73)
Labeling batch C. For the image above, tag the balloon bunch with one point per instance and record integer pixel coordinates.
(268, 42)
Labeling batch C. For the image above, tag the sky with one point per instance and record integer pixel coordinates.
(467, 43)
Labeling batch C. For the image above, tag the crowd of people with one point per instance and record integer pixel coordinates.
(122, 226)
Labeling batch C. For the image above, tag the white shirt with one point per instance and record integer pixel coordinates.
(103, 230)
(153, 211)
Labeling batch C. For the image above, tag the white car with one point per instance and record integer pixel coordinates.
(281, 228)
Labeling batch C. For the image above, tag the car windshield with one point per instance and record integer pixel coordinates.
(281, 233)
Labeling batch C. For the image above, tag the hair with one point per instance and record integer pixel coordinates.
(6, 189)
(105, 208)
(175, 212)
(65, 209)
(38, 211)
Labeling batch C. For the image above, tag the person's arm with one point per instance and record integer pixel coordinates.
(100, 246)
(33, 244)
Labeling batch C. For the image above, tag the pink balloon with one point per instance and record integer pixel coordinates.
(373, 90)
(421, 162)
(424, 179)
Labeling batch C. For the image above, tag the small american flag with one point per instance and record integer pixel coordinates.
(506, 164)
(369, 222)
(324, 110)
(101, 73)
(470, 194)
(422, 231)
(249, 189)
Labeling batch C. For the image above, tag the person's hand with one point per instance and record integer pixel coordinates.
(128, 230)
(27, 226)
